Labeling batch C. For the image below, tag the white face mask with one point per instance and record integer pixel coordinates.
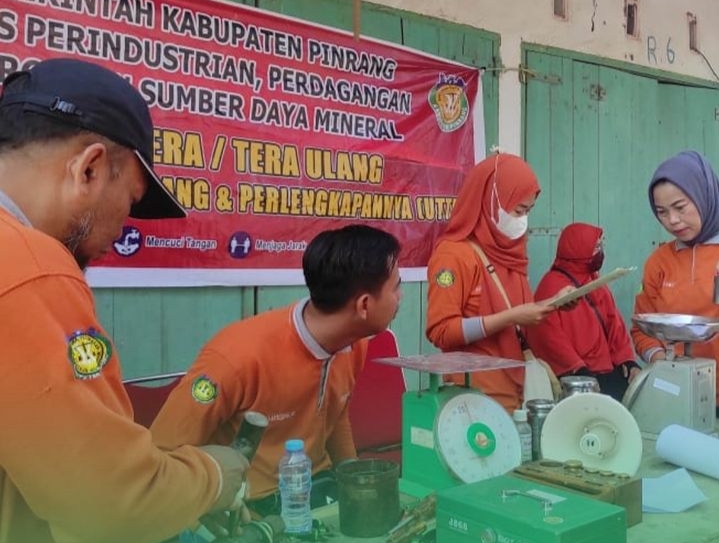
(511, 226)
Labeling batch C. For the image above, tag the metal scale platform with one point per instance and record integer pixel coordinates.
(678, 390)
(453, 434)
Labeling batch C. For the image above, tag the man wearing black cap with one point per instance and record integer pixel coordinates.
(75, 160)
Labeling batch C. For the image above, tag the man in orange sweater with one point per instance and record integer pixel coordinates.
(75, 159)
(297, 364)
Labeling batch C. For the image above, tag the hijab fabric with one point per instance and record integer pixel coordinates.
(692, 173)
(575, 249)
(499, 180)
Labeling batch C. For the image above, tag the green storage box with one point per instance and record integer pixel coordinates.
(507, 509)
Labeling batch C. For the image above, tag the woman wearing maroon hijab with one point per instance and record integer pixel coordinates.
(465, 309)
(590, 339)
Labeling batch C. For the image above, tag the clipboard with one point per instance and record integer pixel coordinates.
(589, 287)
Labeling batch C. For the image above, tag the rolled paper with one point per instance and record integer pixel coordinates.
(689, 449)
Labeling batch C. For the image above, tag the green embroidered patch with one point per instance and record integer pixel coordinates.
(445, 278)
(204, 390)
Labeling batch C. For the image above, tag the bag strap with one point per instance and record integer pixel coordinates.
(587, 297)
(524, 345)
(492, 272)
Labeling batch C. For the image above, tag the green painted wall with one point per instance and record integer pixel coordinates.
(159, 330)
(595, 134)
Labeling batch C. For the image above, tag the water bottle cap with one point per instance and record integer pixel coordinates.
(520, 415)
(294, 445)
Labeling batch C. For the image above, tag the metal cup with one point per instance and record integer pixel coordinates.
(537, 411)
(577, 384)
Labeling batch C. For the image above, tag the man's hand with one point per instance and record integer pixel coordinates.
(233, 466)
(223, 524)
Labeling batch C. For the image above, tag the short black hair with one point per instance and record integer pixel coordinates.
(19, 128)
(340, 264)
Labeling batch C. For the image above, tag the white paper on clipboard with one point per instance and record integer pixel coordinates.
(589, 287)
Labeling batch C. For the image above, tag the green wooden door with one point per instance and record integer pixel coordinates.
(595, 134)
(163, 329)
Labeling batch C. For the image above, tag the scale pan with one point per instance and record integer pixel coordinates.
(676, 327)
(595, 429)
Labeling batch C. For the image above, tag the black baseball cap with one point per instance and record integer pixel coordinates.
(96, 99)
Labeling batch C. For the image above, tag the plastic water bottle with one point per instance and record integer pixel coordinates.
(525, 434)
(295, 485)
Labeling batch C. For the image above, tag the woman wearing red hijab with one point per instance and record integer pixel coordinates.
(466, 310)
(590, 339)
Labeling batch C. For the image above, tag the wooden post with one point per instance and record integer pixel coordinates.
(356, 10)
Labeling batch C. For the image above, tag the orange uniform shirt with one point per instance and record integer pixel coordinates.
(74, 467)
(459, 287)
(262, 364)
(679, 279)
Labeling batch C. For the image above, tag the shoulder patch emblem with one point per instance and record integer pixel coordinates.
(88, 352)
(204, 389)
(445, 278)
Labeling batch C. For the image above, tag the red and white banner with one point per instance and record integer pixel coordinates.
(268, 130)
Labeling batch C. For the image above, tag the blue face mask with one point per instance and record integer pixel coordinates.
(511, 226)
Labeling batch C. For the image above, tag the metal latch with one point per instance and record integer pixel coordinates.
(597, 92)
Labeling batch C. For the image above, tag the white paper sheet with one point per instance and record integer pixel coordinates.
(671, 493)
(589, 287)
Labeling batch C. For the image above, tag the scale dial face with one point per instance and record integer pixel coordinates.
(476, 438)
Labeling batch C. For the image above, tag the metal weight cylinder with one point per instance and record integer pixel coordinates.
(537, 411)
(577, 384)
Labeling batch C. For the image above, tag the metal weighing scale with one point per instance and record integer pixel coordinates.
(453, 434)
(678, 390)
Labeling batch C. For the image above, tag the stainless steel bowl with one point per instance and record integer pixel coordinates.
(676, 327)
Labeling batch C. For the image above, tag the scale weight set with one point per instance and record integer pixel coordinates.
(464, 445)
(453, 434)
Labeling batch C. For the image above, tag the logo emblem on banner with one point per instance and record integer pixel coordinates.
(129, 241)
(448, 99)
(88, 352)
(240, 245)
(204, 390)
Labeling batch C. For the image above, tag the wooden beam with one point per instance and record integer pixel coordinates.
(356, 11)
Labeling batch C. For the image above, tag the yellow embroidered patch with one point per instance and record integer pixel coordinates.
(88, 352)
(445, 278)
